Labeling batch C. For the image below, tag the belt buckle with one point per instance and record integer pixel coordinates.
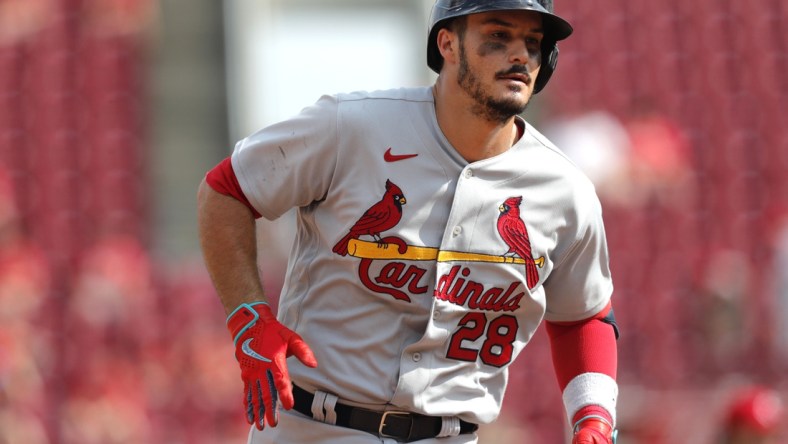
(395, 413)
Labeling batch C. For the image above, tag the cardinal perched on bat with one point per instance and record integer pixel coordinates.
(382, 216)
(513, 232)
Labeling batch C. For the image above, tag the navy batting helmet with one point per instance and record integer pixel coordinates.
(555, 28)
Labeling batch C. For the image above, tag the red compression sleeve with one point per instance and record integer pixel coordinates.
(223, 180)
(587, 346)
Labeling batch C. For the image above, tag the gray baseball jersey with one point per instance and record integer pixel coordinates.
(417, 277)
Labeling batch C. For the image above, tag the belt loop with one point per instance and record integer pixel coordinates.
(450, 426)
(323, 407)
(329, 404)
(317, 406)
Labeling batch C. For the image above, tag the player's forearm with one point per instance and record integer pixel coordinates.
(227, 237)
(585, 359)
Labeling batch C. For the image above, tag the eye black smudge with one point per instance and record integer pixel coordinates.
(488, 48)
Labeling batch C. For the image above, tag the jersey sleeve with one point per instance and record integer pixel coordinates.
(222, 179)
(291, 163)
(580, 285)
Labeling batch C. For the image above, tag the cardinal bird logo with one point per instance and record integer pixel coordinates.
(382, 216)
(513, 232)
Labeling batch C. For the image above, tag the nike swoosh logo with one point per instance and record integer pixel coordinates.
(388, 157)
(249, 352)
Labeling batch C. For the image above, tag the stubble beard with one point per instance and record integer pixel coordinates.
(485, 105)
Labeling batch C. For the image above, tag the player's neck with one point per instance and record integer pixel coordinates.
(472, 136)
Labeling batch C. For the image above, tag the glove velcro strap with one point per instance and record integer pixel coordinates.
(600, 427)
(598, 423)
(244, 317)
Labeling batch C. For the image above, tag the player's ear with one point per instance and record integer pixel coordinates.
(449, 45)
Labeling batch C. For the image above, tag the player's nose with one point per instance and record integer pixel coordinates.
(518, 53)
(521, 54)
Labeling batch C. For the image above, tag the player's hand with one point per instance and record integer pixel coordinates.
(593, 430)
(262, 346)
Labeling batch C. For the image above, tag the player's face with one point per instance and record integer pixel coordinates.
(499, 60)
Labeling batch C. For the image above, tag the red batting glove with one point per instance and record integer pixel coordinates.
(593, 431)
(594, 426)
(262, 346)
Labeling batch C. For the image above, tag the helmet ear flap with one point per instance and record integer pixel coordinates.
(549, 63)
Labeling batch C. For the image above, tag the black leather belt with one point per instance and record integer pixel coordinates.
(402, 426)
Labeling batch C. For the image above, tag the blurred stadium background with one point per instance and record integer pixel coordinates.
(112, 110)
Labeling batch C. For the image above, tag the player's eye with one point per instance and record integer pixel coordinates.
(533, 44)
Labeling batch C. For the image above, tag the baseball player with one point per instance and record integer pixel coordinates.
(436, 230)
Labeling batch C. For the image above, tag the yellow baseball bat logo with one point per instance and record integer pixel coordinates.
(373, 250)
